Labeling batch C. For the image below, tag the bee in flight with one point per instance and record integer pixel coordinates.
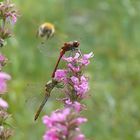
(46, 30)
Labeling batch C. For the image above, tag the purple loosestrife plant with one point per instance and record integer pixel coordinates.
(5, 132)
(63, 124)
(8, 14)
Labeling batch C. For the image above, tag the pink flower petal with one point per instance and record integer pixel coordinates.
(60, 75)
(74, 68)
(3, 86)
(75, 80)
(85, 59)
(80, 120)
(3, 103)
(67, 59)
(80, 137)
(4, 76)
(47, 121)
(3, 79)
(87, 56)
(2, 58)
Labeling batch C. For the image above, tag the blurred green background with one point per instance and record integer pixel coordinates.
(109, 28)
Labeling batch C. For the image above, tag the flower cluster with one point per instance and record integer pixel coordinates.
(64, 125)
(73, 76)
(75, 105)
(8, 14)
(4, 77)
(5, 133)
(8, 11)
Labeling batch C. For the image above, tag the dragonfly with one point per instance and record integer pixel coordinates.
(68, 46)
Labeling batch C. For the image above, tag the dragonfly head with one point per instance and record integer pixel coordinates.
(70, 45)
(76, 44)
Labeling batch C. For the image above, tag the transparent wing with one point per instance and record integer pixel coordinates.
(50, 47)
(35, 94)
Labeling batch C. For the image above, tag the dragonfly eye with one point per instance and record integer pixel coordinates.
(76, 44)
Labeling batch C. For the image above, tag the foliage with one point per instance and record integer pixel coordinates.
(108, 28)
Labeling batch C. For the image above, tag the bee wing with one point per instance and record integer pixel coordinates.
(43, 48)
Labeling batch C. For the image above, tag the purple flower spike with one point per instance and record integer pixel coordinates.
(65, 127)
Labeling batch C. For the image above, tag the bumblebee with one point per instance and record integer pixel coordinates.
(46, 30)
